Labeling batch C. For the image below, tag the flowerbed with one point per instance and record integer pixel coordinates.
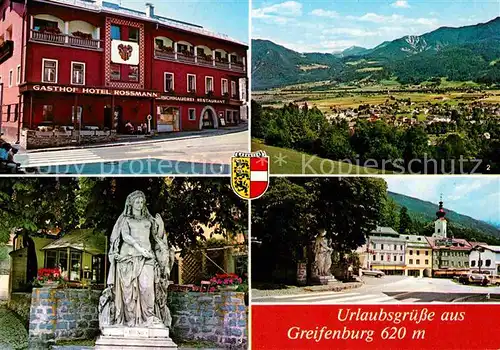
(48, 276)
(224, 280)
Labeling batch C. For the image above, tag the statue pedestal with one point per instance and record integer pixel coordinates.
(324, 280)
(136, 338)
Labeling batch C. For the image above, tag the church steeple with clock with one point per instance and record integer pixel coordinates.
(440, 223)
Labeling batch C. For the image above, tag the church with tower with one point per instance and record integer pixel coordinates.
(441, 221)
(450, 256)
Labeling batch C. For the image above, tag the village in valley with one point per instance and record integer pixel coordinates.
(426, 89)
(401, 112)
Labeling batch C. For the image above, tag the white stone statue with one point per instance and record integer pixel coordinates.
(322, 254)
(140, 265)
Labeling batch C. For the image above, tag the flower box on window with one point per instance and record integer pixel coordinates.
(226, 94)
(50, 30)
(166, 49)
(192, 92)
(82, 35)
(222, 59)
(210, 93)
(187, 53)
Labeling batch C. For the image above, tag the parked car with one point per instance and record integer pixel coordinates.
(495, 280)
(375, 273)
(474, 278)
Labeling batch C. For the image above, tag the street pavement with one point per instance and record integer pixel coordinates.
(393, 290)
(205, 149)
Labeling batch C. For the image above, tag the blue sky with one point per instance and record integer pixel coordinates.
(477, 197)
(224, 16)
(334, 25)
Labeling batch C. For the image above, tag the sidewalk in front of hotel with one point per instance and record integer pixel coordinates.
(145, 139)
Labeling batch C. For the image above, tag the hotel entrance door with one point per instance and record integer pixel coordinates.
(208, 119)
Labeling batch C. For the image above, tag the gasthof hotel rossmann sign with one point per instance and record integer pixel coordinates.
(93, 91)
(120, 92)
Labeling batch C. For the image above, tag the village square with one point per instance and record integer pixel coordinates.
(369, 245)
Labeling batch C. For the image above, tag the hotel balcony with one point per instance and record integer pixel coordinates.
(52, 30)
(63, 39)
(166, 49)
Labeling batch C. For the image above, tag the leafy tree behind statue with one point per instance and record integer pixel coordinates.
(31, 205)
(287, 218)
(37, 204)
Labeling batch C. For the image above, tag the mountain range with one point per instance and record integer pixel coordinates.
(426, 212)
(464, 53)
(353, 51)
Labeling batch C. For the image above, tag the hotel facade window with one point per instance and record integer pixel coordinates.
(49, 71)
(115, 72)
(191, 83)
(192, 114)
(209, 85)
(133, 34)
(233, 89)
(18, 75)
(182, 48)
(39, 24)
(133, 74)
(169, 81)
(225, 87)
(11, 77)
(116, 32)
(77, 73)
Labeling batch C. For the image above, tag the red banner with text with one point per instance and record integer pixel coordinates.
(444, 326)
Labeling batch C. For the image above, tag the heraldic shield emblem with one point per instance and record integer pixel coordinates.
(250, 174)
(125, 51)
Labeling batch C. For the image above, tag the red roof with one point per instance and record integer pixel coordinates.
(449, 243)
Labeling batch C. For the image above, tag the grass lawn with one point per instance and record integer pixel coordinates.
(13, 335)
(296, 162)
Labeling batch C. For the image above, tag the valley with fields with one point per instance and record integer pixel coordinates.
(443, 86)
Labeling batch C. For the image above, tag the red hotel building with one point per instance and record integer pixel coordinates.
(81, 69)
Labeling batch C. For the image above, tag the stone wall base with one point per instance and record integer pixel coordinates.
(33, 139)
